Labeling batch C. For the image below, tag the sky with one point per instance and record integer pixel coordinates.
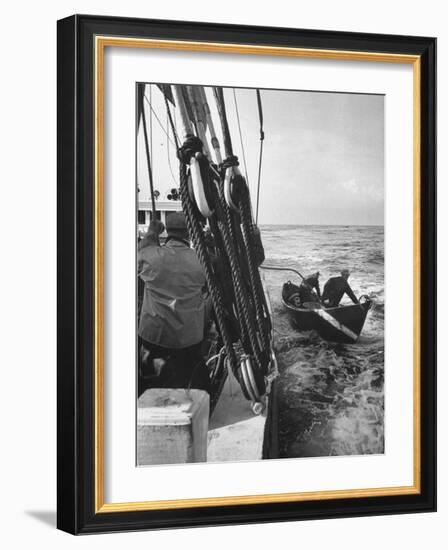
(323, 155)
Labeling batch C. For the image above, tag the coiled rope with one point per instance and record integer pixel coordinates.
(197, 236)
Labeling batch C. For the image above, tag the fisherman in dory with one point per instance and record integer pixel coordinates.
(335, 288)
(309, 290)
(173, 313)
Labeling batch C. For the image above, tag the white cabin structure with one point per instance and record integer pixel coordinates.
(163, 209)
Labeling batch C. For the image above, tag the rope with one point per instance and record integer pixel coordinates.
(197, 237)
(254, 274)
(172, 124)
(168, 154)
(158, 120)
(241, 136)
(271, 267)
(235, 288)
(249, 304)
(242, 301)
(213, 357)
(148, 157)
(260, 115)
(150, 123)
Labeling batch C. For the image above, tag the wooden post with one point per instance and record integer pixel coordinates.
(172, 426)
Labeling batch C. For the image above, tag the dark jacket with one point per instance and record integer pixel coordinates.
(334, 290)
(306, 289)
(173, 310)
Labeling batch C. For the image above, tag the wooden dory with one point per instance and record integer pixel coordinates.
(336, 324)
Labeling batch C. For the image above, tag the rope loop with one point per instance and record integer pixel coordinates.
(189, 148)
(234, 187)
(200, 183)
(230, 161)
(191, 154)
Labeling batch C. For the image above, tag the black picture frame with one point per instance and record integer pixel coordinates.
(76, 224)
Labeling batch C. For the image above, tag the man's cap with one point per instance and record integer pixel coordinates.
(345, 272)
(176, 222)
(156, 227)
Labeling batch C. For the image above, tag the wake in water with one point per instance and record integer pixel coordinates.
(331, 396)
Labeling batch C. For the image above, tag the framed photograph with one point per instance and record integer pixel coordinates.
(246, 274)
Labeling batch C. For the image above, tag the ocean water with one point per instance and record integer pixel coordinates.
(331, 396)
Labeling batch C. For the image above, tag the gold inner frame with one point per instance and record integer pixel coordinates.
(101, 42)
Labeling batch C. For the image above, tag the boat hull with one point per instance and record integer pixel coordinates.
(336, 324)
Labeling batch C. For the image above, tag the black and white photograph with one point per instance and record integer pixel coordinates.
(247, 257)
(259, 274)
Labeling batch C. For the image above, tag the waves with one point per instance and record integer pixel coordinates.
(376, 257)
(331, 395)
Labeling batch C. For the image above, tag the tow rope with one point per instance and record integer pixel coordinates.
(274, 268)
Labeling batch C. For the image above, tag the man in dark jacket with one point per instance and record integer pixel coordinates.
(173, 313)
(335, 288)
(309, 290)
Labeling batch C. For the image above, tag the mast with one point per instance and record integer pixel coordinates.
(211, 127)
(187, 128)
(199, 115)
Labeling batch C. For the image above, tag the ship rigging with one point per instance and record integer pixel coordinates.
(215, 198)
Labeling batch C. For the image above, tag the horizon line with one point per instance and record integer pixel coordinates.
(329, 224)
